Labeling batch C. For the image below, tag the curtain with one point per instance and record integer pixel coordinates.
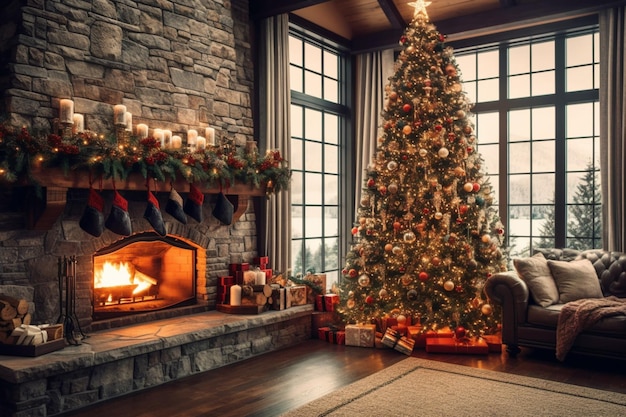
(274, 133)
(372, 71)
(612, 127)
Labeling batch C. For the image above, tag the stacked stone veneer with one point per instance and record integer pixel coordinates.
(175, 64)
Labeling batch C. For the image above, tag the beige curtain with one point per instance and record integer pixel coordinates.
(274, 133)
(372, 72)
(613, 127)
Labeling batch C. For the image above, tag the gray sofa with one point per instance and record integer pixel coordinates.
(530, 312)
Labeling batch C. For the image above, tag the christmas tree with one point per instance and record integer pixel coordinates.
(427, 235)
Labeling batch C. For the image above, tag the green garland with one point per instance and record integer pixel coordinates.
(106, 158)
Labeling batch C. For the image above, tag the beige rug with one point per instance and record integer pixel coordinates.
(420, 387)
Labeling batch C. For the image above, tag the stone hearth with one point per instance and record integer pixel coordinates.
(114, 362)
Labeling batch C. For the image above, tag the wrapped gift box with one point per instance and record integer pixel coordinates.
(296, 295)
(322, 319)
(262, 261)
(421, 337)
(319, 281)
(326, 302)
(278, 300)
(332, 335)
(360, 335)
(494, 342)
(476, 346)
(393, 339)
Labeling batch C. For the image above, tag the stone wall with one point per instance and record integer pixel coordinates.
(175, 64)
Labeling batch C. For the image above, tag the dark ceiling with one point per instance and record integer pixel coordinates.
(374, 24)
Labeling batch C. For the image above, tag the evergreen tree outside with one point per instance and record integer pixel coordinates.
(584, 229)
(428, 235)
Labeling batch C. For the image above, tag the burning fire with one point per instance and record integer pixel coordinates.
(120, 274)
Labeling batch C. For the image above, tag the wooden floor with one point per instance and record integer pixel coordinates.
(272, 384)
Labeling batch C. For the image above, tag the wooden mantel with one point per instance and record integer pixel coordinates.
(56, 183)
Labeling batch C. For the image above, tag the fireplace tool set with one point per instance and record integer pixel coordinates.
(67, 300)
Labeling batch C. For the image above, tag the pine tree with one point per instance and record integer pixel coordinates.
(586, 225)
(427, 235)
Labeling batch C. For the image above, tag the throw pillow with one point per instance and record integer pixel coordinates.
(535, 272)
(575, 280)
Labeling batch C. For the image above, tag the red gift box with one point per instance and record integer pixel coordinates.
(230, 280)
(332, 335)
(494, 342)
(322, 319)
(261, 261)
(326, 302)
(453, 345)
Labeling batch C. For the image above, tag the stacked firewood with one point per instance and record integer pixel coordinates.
(16, 327)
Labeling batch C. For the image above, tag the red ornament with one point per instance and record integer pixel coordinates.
(460, 332)
(451, 137)
(371, 182)
(369, 299)
(382, 189)
(463, 208)
(353, 273)
(476, 187)
(355, 230)
(438, 128)
(396, 225)
(470, 149)
(441, 37)
(406, 108)
(423, 276)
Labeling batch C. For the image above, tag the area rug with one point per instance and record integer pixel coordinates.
(421, 387)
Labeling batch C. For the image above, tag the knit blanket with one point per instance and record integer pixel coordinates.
(577, 316)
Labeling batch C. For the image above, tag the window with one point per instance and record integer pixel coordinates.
(318, 130)
(536, 115)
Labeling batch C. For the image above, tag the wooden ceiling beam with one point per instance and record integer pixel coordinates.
(392, 13)
(260, 9)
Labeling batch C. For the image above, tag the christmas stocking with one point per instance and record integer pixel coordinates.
(119, 219)
(174, 207)
(224, 209)
(153, 215)
(193, 204)
(92, 220)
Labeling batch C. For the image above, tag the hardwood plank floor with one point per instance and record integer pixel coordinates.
(274, 383)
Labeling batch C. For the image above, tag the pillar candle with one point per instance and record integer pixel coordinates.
(66, 111)
(167, 138)
(119, 110)
(192, 136)
(128, 121)
(142, 131)
(79, 123)
(235, 295)
(201, 142)
(260, 277)
(159, 136)
(177, 142)
(210, 136)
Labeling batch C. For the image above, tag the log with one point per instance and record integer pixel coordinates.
(7, 311)
(20, 305)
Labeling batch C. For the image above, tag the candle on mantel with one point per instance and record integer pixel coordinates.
(192, 136)
(260, 277)
(201, 143)
(209, 133)
(167, 138)
(177, 142)
(235, 295)
(159, 136)
(79, 123)
(119, 110)
(66, 111)
(128, 121)
(142, 130)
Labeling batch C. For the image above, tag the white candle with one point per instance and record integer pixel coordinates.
(177, 142)
(66, 111)
(235, 295)
(142, 131)
(167, 138)
(159, 136)
(128, 121)
(119, 110)
(192, 136)
(260, 277)
(201, 142)
(79, 123)
(210, 136)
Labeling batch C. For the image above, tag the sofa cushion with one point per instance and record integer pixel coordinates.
(549, 317)
(575, 280)
(537, 276)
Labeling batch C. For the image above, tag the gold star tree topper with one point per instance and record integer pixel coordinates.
(420, 7)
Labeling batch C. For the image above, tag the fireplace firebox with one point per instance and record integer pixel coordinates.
(142, 273)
